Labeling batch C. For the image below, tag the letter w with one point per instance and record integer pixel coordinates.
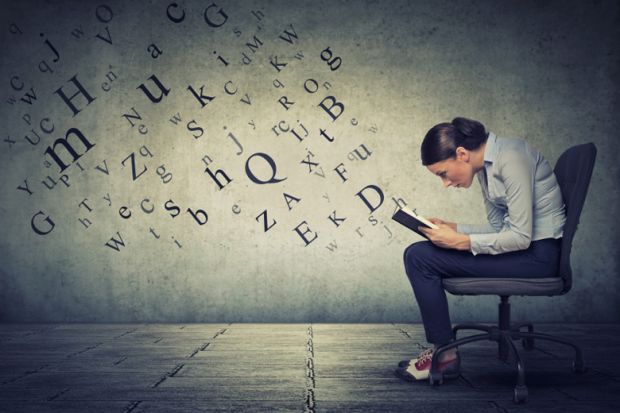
(289, 36)
(176, 119)
(116, 242)
(28, 97)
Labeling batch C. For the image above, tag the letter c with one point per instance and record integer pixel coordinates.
(14, 80)
(173, 18)
(229, 91)
(148, 211)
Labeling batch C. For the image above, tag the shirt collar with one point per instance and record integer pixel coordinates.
(490, 150)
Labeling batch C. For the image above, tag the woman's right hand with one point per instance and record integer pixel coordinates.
(438, 221)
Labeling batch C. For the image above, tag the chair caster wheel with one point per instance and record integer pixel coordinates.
(435, 379)
(579, 367)
(520, 394)
(528, 344)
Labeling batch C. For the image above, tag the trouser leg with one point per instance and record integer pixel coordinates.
(429, 294)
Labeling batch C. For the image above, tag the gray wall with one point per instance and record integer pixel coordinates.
(544, 71)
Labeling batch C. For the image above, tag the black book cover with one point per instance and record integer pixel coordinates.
(412, 221)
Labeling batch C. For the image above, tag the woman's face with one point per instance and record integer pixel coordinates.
(456, 172)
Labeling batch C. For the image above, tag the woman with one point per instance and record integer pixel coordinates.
(525, 214)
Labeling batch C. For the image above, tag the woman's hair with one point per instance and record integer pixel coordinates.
(441, 140)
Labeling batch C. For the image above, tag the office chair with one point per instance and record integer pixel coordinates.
(573, 171)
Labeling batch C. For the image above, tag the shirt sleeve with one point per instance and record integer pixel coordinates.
(517, 175)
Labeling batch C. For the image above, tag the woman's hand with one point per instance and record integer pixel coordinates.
(439, 222)
(446, 237)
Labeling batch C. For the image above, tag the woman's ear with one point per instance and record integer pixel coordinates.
(462, 154)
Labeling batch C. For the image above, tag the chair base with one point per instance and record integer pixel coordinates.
(504, 334)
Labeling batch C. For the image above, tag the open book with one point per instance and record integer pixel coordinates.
(412, 220)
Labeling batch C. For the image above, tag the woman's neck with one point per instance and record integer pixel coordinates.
(477, 158)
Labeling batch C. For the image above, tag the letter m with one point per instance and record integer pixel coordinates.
(254, 46)
(51, 150)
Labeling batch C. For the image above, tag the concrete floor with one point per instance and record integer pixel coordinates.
(286, 367)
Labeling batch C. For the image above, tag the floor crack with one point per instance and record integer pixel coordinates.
(25, 374)
(499, 408)
(310, 373)
(132, 406)
(57, 395)
(77, 353)
(125, 333)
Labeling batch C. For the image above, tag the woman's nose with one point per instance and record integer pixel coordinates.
(446, 182)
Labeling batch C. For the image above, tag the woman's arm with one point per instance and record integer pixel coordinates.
(517, 173)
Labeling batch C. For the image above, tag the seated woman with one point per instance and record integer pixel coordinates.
(525, 214)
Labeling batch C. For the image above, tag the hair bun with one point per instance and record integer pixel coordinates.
(470, 128)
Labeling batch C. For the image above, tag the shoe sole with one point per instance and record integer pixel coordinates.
(405, 363)
(401, 373)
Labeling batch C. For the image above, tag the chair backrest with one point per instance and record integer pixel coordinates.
(573, 171)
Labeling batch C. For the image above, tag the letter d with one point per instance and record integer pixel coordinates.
(377, 190)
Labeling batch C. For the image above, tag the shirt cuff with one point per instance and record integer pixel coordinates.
(483, 244)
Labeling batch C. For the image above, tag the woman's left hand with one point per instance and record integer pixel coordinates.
(446, 237)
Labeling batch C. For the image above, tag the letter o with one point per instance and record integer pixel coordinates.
(315, 86)
(98, 14)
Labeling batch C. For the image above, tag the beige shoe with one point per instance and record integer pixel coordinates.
(420, 369)
(406, 363)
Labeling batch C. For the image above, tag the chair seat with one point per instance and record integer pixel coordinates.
(504, 286)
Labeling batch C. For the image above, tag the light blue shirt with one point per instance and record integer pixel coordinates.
(522, 198)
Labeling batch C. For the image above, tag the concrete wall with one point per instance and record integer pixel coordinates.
(544, 71)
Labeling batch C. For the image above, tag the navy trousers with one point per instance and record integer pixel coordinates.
(426, 265)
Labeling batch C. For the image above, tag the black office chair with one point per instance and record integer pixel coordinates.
(573, 171)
